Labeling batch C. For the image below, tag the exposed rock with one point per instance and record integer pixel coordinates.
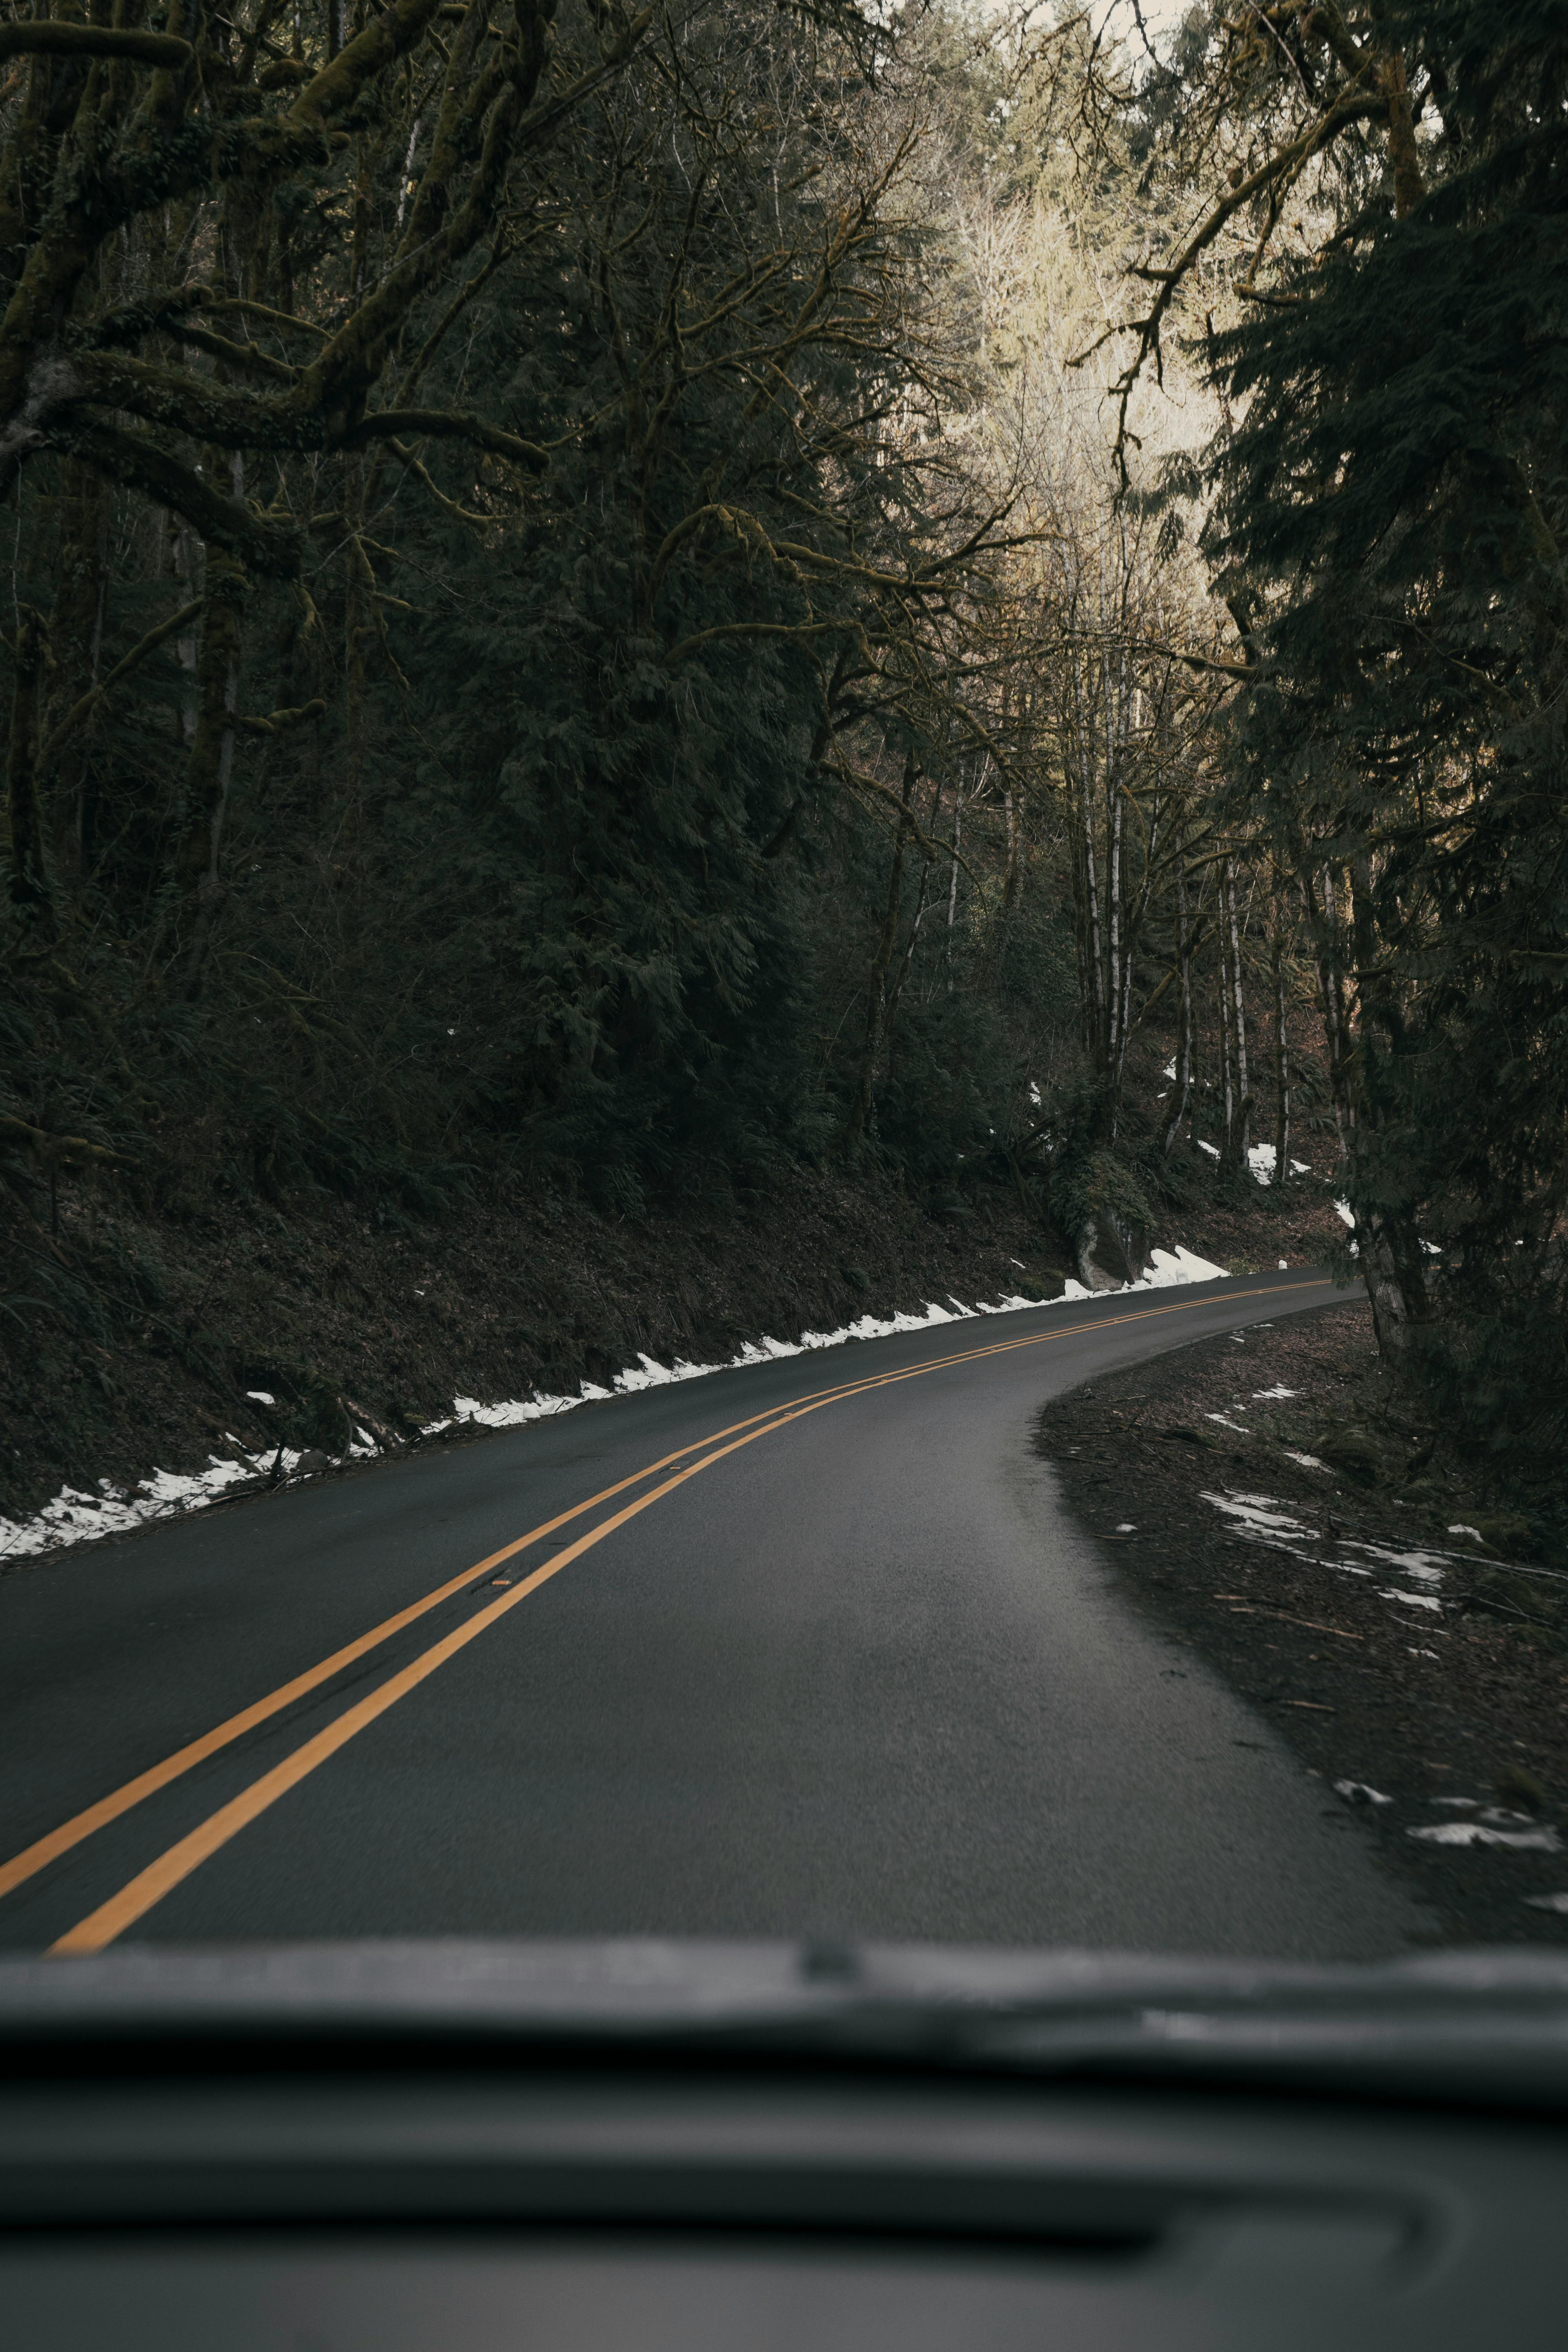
(1354, 1453)
(1510, 1534)
(1102, 1262)
(1517, 1786)
(1043, 1286)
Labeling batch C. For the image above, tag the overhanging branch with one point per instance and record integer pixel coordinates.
(41, 37)
(444, 425)
(138, 653)
(139, 463)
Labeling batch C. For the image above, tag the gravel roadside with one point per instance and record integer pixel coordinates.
(1256, 1494)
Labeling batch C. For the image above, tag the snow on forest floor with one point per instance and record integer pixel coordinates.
(1260, 1160)
(79, 1515)
(1263, 1519)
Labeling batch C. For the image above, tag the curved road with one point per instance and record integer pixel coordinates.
(807, 1648)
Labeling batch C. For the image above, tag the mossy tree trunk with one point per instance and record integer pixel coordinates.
(76, 641)
(29, 880)
(196, 870)
(1281, 1048)
(862, 1106)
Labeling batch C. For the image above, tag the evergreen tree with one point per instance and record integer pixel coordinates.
(1392, 511)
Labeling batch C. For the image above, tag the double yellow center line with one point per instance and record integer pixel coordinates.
(149, 1887)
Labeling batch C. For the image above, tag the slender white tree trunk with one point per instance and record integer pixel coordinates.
(953, 880)
(1095, 975)
(1243, 1092)
(1227, 1044)
(1182, 1086)
(1281, 1052)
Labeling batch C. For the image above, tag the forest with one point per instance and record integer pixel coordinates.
(609, 601)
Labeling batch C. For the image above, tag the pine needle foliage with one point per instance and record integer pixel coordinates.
(1391, 520)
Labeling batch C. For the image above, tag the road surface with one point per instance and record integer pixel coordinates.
(806, 1648)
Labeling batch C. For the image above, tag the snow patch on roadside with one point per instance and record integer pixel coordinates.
(1497, 1827)
(1264, 1520)
(1361, 1792)
(1168, 1269)
(1261, 1517)
(1426, 1566)
(77, 1515)
(1542, 1839)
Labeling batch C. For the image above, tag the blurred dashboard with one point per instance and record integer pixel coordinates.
(363, 2199)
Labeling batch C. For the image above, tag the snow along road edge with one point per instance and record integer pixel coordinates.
(76, 1516)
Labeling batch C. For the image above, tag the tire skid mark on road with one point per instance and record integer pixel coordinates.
(138, 1896)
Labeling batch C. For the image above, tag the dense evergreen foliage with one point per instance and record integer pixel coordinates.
(534, 786)
(1393, 503)
(596, 604)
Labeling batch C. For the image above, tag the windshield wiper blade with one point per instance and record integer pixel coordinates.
(1473, 2024)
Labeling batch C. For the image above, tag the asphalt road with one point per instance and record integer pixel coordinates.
(855, 1674)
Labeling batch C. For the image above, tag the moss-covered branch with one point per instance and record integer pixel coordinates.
(86, 704)
(51, 37)
(447, 424)
(137, 461)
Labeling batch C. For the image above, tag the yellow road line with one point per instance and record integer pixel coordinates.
(158, 1776)
(48, 1849)
(150, 1886)
(147, 1888)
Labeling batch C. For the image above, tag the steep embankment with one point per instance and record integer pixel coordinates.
(251, 1326)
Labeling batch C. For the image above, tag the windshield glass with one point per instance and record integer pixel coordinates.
(782, 1103)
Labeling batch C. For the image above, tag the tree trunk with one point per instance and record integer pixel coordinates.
(1389, 1246)
(953, 880)
(210, 765)
(1324, 919)
(76, 636)
(29, 881)
(1409, 187)
(1389, 1256)
(1117, 712)
(1242, 1135)
(1010, 880)
(1111, 1044)
(1092, 974)
(860, 1109)
(188, 571)
(1281, 1058)
(896, 988)
(358, 581)
(1181, 1086)
(1227, 1047)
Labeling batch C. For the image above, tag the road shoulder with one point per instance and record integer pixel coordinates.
(1368, 1634)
